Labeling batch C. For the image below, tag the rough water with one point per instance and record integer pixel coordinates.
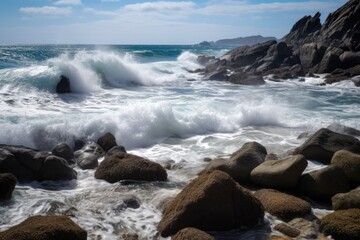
(156, 108)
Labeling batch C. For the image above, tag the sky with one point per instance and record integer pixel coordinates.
(150, 22)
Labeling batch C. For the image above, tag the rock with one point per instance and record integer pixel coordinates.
(335, 127)
(324, 183)
(64, 85)
(310, 55)
(343, 201)
(107, 141)
(204, 60)
(282, 205)
(9, 163)
(322, 145)
(45, 228)
(7, 185)
(331, 60)
(87, 161)
(130, 236)
(356, 81)
(275, 237)
(124, 166)
(55, 168)
(342, 224)
(220, 74)
(91, 147)
(279, 173)
(63, 150)
(287, 230)
(308, 229)
(349, 59)
(241, 162)
(211, 202)
(349, 163)
(243, 78)
(115, 150)
(190, 233)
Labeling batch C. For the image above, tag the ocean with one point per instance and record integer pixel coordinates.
(148, 97)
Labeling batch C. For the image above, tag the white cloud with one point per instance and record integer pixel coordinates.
(98, 12)
(46, 10)
(68, 2)
(160, 6)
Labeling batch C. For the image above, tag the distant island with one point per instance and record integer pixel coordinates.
(240, 41)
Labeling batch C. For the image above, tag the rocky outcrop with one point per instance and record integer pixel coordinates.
(124, 166)
(342, 224)
(63, 85)
(190, 233)
(241, 162)
(7, 186)
(279, 173)
(323, 184)
(211, 202)
(282, 205)
(343, 201)
(45, 228)
(29, 164)
(349, 163)
(323, 144)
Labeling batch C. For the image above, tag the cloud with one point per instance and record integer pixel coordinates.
(46, 10)
(98, 12)
(160, 6)
(68, 2)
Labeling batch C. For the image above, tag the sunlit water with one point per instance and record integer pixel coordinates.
(147, 98)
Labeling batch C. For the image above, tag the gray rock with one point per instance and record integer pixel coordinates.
(63, 85)
(107, 141)
(63, 150)
(55, 168)
(87, 160)
(7, 186)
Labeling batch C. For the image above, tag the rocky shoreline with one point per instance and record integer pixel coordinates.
(228, 194)
(309, 48)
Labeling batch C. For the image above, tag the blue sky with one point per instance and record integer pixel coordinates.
(150, 22)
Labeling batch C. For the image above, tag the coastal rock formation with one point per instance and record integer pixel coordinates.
(29, 164)
(323, 184)
(241, 162)
(349, 163)
(332, 48)
(323, 144)
(343, 201)
(279, 173)
(190, 233)
(282, 205)
(342, 224)
(124, 166)
(64, 85)
(7, 185)
(64, 151)
(45, 228)
(211, 202)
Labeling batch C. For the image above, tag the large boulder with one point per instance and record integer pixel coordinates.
(324, 183)
(63, 150)
(87, 160)
(349, 59)
(243, 78)
(322, 145)
(310, 55)
(241, 162)
(7, 185)
(190, 233)
(56, 168)
(63, 85)
(124, 166)
(211, 202)
(342, 224)
(9, 163)
(343, 201)
(45, 228)
(282, 205)
(331, 60)
(107, 141)
(279, 173)
(349, 163)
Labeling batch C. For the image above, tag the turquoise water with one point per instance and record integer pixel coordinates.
(147, 97)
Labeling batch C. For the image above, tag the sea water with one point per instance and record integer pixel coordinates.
(149, 98)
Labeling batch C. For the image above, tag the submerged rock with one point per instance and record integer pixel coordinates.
(342, 224)
(64, 85)
(282, 205)
(190, 233)
(7, 185)
(211, 202)
(124, 166)
(45, 228)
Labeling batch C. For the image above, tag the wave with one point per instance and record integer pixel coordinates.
(91, 71)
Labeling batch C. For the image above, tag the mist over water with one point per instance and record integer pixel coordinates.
(156, 108)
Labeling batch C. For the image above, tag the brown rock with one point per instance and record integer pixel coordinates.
(190, 233)
(279, 173)
(124, 166)
(324, 183)
(308, 229)
(342, 224)
(287, 230)
(211, 202)
(343, 201)
(349, 163)
(45, 228)
(107, 141)
(7, 185)
(282, 205)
